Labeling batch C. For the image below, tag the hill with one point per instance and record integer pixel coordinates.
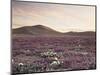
(43, 30)
(35, 30)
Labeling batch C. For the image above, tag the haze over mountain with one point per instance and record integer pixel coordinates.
(43, 30)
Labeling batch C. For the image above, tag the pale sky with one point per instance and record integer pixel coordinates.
(62, 18)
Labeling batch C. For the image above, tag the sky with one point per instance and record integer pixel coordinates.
(60, 17)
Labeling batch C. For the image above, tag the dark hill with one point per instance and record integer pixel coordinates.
(35, 30)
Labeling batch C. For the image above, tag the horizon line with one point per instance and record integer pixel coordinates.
(54, 29)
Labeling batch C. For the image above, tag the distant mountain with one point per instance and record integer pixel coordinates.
(35, 30)
(86, 33)
(43, 30)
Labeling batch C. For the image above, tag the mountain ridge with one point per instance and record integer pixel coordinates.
(35, 30)
(43, 30)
